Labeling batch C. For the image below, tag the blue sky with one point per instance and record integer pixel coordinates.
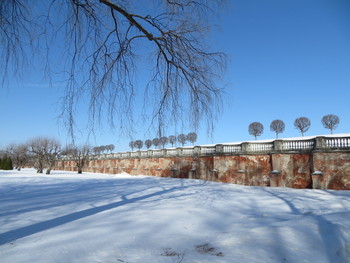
(287, 59)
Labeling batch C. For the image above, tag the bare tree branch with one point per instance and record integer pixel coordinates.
(102, 54)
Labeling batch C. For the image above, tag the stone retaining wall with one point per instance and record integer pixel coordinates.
(319, 162)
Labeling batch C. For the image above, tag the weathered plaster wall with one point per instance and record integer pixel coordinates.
(243, 169)
(291, 169)
(335, 168)
(295, 169)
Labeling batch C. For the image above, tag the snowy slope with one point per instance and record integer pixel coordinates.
(65, 217)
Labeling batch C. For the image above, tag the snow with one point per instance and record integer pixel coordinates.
(66, 217)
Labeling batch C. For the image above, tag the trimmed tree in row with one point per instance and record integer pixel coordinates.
(148, 143)
(103, 148)
(277, 126)
(172, 140)
(330, 122)
(256, 129)
(163, 141)
(302, 124)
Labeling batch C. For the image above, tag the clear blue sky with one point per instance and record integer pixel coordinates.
(287, 59)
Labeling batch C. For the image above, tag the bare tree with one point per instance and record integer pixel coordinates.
(302, 124)
(148, 143)
(277, 126)
(53, 151)
(102, 40)
(172, 140)
(79, 154)
(132, 145)
(192, 137)
(97, 150)
(138, 144)
(110, 148)
(104, 148)
(255, 129)
(37, 149)
(330, 122)
(155, 142)
(46, 152)
(181, 138)
(163, 141)
(19, 154)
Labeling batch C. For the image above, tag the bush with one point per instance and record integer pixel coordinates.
(6, 163)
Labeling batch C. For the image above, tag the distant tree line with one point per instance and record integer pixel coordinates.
(42, 154)
(182, 139)
(302, 124)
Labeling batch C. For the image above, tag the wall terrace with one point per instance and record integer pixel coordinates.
(310, 162)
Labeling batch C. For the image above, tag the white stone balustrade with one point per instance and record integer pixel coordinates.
(341, 143)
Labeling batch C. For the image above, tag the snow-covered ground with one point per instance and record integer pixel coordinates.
(65, 217)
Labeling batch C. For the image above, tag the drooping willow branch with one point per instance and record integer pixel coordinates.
(104, 40)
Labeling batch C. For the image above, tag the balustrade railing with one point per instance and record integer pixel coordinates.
(298, 145)
(311, 144)
(124, 155)
(187, 151)
(156, 153)
(134, 154)
(232, 148)
(207, 150)
(337, 142)
(171, 152)
(144, 153)
(260, 147)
